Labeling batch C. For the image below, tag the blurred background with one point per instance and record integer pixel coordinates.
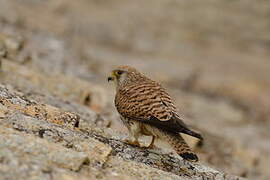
(212, 56)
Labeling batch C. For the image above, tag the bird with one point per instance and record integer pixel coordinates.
(146, 108)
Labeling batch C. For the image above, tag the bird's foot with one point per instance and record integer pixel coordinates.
(132, 142)
(152, 146)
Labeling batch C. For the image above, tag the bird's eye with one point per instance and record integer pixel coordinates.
(119, 73)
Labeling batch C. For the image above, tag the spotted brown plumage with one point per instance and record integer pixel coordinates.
(147, 109)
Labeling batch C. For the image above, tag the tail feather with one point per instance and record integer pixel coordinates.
(183, 128)
(174, 125)
(181, 147)
(192, 133)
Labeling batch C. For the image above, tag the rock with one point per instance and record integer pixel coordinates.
(80, 91)
(13, 43)
(25, 155)
(49, 147)
(3, 50)
(98, 153)
(54, 115)
(10, 45)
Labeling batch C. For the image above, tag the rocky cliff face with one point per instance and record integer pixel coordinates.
(57, 119)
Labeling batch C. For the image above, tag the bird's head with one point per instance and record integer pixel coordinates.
(123, 75)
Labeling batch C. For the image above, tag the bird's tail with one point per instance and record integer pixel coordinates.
(180, 146)
(191, 133)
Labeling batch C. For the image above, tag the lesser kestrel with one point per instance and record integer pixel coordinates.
(147, 109)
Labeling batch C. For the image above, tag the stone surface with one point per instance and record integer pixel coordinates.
(48, 144)
(25, 155)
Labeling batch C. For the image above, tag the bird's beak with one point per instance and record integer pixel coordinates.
(110, 78)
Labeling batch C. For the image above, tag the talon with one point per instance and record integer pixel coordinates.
(133, 143)
(152, 146)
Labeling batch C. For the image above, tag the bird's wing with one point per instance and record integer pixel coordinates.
(151, 104)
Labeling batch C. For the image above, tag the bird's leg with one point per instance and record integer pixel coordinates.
(131, 140)
(152, 146)
(134, 133)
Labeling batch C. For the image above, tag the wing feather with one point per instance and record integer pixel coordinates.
(151, 104)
